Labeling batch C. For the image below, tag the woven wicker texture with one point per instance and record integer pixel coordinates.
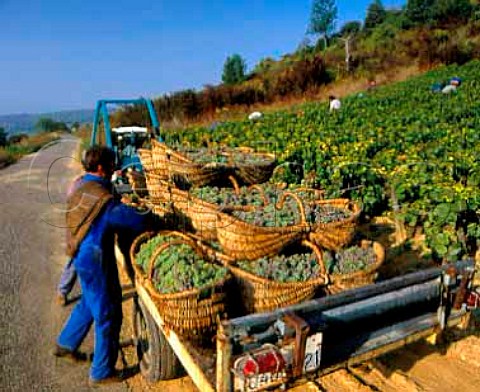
(337, 234)
(257, 170)
(202, 216)
(192, 313)
(135, 248)
(341, 282)
(262, 295)
(184, 172)
(244, 241)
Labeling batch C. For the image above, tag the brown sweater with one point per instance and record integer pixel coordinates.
(83, 205)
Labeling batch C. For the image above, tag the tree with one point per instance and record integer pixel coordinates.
(3, 137)
(420, 11)
(322, 18)
(75, 126)
(45, 124)
(351, 28)
(445, 10)
(264, 65)
(234, 70)
(376, 15)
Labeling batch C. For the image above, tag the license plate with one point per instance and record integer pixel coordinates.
(313, 351)
(260, 381)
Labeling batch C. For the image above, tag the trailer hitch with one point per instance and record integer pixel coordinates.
(473, 299)
(456, 292)
(301, 331)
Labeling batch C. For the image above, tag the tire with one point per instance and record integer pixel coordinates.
(156, 358)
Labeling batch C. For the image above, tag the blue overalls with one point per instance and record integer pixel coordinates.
(101, 301)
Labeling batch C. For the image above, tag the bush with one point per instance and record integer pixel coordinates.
(18, 138)
(5, 158)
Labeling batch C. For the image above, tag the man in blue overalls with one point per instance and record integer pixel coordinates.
(93, 217)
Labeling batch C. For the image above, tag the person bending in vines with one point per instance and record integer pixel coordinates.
(93, 217)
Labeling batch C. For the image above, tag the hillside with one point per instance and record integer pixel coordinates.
(25, 122)
(399, 150)
(389, 43)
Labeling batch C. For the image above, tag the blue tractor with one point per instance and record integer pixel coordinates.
(124, 140)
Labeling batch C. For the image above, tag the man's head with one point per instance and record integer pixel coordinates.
(99, 160)
(331, 97)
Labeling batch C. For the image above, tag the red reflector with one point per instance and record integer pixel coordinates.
(473, 300)
(269, 362)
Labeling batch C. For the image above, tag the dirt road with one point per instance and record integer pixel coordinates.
(31, 259)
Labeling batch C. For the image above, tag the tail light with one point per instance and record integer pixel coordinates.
(268, 359)
(473, 299)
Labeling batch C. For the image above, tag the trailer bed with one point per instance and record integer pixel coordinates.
(199, 363)
(211, 368)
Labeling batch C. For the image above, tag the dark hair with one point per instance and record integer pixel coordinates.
(98, 155)
(331, 97)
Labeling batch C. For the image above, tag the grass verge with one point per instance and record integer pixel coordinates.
(11, 153)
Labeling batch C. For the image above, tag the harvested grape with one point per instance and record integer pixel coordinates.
(325, 213)
(295, 268)
(145, 253)
(180, 268)
(352, 259)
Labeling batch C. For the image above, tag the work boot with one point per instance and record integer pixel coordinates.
(71, 356)
(114, 378)
(61, 299)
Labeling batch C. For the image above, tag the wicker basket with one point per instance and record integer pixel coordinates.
(160, 208)
(193, 313)
(341, 282)
(202, 216)
(135, 248)
(244, 241)
(338, 234)
(183, 171)
(146, 159)
(157, 187)
(316, 194)
(253, 172)
(263, 295)
(261, 192)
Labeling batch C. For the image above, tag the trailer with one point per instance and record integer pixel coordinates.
(292, 345)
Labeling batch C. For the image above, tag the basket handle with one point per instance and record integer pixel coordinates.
(187, 239)
(301, 208)
(181, 239)
(262, 193)
(234, 182)
(245, 149)
(138, 241)
(319, 192)
(318, 254)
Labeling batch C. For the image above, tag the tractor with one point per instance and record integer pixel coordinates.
(124, 140)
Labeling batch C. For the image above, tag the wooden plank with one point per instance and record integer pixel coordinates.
(224, 357)
(193, 369)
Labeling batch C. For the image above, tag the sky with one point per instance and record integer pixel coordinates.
(66, 54)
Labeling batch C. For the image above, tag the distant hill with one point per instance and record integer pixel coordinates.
(25, 122)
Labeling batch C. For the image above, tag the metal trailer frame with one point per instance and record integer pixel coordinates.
(393, 295)
(101, 112)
